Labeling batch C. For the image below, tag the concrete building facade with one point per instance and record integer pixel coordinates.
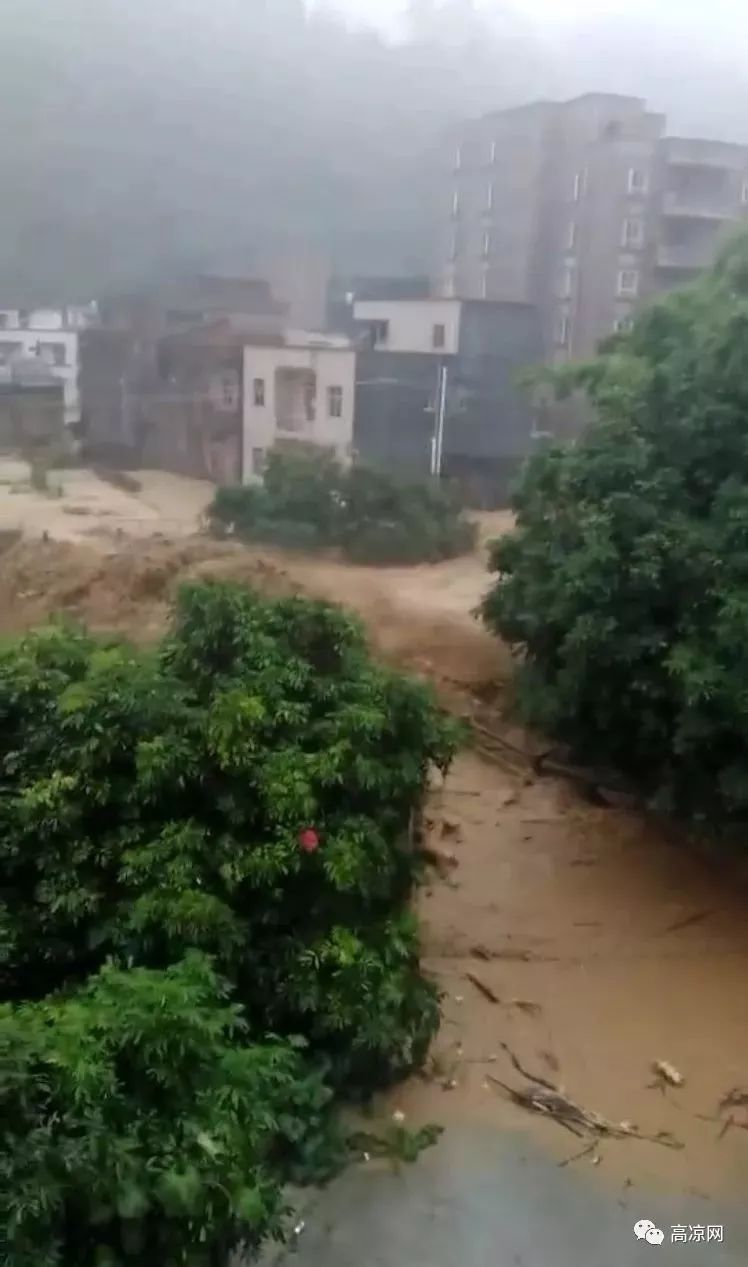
(404, 347)
(584, 208)
(52, 335)
(298, 391)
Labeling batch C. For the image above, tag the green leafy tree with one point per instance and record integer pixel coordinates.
(624, 587)
(229, 810)
(142, 1125)
(308, 500)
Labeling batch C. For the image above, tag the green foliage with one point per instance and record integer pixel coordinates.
(241, 792)
(310, 501)
(625, 584)
(141, 1125)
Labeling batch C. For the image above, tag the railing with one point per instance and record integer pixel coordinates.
(694, 257)
(714, 154)
(695, 205)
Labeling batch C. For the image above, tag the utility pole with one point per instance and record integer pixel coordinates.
(437, 443)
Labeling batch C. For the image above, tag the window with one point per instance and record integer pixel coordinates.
(580, 184)
(628, 282)
(258, 392)
(623, 325)
(571, 235)
(633, 233)
(484, 286)
(566, 282)
(486, 245)
(456, 203)
(228, 391)
(5, 317)
(52, 353)
(490, 197)
(335, 402)
(438, 336)
(493, 152)
(23, 319)
(380, 332)
(310, 401)
(7, 350)
(637, 181)
(258, 461)
(453, 246)
(563, 330)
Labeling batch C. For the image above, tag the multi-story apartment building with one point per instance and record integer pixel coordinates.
(583, 208)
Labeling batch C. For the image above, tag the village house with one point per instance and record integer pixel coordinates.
(298, 390)
(52, 334)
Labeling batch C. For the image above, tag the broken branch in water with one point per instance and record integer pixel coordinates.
(584, 1152)
(527, 1006)
(484, 989)
(687, 921)
(542, 1097)
(531, 1077)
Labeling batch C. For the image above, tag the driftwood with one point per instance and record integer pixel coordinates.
(481, 986)
(541, 1096)
(514, 956)
(601, 787)
(688, 921)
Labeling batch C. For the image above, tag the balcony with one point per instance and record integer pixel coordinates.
(694, 205)
(680, 152)
(690, 257)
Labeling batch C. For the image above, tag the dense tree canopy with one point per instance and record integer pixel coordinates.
(625, 585)
(205, 868)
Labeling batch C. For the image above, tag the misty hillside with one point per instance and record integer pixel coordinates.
(142, 137)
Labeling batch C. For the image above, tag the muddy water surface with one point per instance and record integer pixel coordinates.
(609, 947)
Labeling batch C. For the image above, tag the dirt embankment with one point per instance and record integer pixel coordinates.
(586, 939)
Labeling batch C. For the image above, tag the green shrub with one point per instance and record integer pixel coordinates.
(141, 1125)
(625, 584)
(306, 487)
(399, 521)
(309, 501)
(239, 508)
(241, 792)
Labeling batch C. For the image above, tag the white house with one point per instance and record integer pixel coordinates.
(52, 335)
(301, 388)
(431, 326)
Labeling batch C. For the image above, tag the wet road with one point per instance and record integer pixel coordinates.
(485, 1198)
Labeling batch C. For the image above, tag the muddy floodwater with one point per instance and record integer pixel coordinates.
(609, 947)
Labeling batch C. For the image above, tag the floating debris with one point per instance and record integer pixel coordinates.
(666, 1073)
(484, 989)
(543, 1097)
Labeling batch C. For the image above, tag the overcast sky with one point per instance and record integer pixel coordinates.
(686, 57)
(721, 22)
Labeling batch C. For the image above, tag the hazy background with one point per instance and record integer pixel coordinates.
(141, 137)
